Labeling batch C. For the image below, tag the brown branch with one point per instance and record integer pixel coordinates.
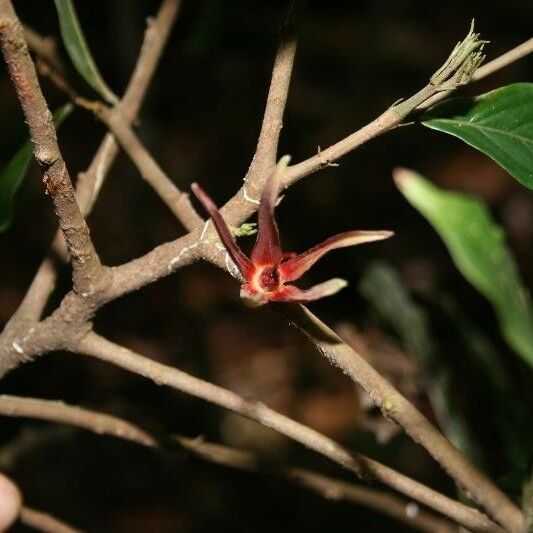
(88, 274)
(267, 145)
(45, 47)
(365, 468)
(42, 286)
(57, 411)
(329, 488)
(520, 51)
(44, 522)
(397, 114)
(89, 182)
(168, 257)
(177, 201)
(155, 39)
(25, 318)
(398, 409)
(88, 186)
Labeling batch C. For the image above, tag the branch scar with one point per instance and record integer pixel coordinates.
(17, 347)
(249, 198)
(204, 229)
(180, 255)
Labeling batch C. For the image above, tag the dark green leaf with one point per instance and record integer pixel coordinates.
(78, 49)
(11, 179)
(13, 175)
(499, 124)
(480, 252)
(382, 287)
(504, 398)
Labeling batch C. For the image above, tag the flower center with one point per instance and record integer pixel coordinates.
(269, 278)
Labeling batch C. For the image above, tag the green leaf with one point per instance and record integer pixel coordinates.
(11, 179)
(479, 250)
(78, 49)
(13, 175)
(499, 124)
(383, 288)
(504, 398)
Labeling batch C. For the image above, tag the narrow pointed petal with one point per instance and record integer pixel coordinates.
(267, 249)
(243, 263)
(294, 268)
(290, 293)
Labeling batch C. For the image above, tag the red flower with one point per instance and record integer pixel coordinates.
(268, 270)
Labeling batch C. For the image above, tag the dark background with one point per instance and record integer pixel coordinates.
(200, 120)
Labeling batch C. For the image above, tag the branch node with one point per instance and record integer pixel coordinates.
(45, 157)
(249, 198)
(325, 162)
(17, 347)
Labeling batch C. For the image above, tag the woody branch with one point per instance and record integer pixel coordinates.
(104, 424)
(17, 342)
(88, 273)
(201, 243)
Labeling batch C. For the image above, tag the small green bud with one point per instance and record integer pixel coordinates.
(248, 228)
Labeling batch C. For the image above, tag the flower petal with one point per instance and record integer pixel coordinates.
(251, 297)
(243, 263)
(290, 293)
(294, 268)
(267, 249)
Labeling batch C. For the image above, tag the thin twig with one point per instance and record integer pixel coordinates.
(57, 411)
(104, 424)
(397, 408)
(329, 488)
(155, 39)
(88, 274)
(168, 257)
(90, 182)
(267, 145)
(520, 51)
(44, 522)
(365, 468)
(177, 201)
(12, 353)
(36, 297)
(45, 47)
(396, 115)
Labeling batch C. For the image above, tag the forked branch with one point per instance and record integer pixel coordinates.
(31, 339)
(397, 408)
(365, 468)
(177, 201)
(104, 424)
(12, 352)
(88, 274)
